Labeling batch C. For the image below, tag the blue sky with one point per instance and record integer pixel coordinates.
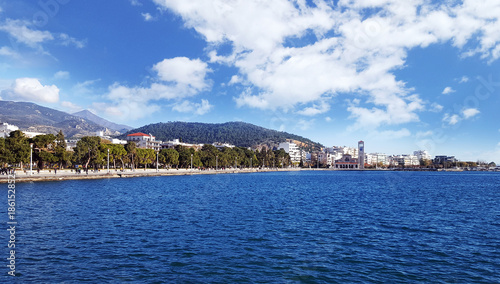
(400, 76)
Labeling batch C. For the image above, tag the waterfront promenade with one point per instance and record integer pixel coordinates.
(67, 174)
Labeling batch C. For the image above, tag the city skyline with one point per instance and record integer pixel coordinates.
(399, 76)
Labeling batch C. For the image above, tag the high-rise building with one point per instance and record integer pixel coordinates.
(361, 154)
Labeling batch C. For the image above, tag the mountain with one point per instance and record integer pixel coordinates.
(237, 133)
(86, 114)
(35, 118)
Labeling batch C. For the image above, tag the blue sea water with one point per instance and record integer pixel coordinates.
(281, 227)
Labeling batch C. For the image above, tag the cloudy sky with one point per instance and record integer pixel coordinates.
(400, 75)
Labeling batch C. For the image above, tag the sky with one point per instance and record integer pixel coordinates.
(400, 75)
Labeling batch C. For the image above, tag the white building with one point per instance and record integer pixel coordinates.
(70, 144)
(376, 159)
(326, 158)
(30, 134)
(292, 150)
(118, 141)
(143, 140)
(219, 145)
(404, 160)
(177, 142)
(335, 152)
(339, 152)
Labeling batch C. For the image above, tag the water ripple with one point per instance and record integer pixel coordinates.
(306, 227)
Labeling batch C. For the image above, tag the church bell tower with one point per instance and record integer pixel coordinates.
(361, 155)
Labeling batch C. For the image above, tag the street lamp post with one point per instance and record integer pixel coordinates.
(216, 162)
(236, 162)
(156, 161)
(191, 161)
(31, 159)
(108, 160)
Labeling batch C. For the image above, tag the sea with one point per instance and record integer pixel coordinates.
(274, 227)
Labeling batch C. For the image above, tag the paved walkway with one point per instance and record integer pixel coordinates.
(50, 175)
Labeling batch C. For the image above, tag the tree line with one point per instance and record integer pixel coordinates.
(50, 151)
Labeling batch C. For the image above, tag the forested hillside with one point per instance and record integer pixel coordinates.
(237, 133)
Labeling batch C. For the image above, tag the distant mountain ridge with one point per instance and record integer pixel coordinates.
(32, 117)
(86, 114)
(237, 133)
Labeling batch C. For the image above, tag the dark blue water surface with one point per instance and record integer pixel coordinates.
(287, 227)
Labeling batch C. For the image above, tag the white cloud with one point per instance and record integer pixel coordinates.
(390, 134)
(135, 3)
(196, 108)
(470, 112)
(448, 90)
(30, 89)
(435, 107)
(464, 79)
(183, 71)
(22, 32)
(328, 119)
(235, 79)
(7, 51)
(66, 40)
(456, 118)
(71, 107)
(85, 89)
(126, 111)
(61, 75)
(398, 110)
(147, 17)
(177, 79)
(370, 40)
(421, 134)
(451, 119)
(303, 124)
(322, 107)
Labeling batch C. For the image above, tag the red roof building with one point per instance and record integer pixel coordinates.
(143, 140)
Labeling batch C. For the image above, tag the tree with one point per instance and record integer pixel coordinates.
(168, 157)
(43, 146)
(6, 156)
(87, 150)
(118, 152)
(282, 158)
(425, 163)
(131, 149)
(209, 155)
(18, 145)
(60, 152)
(145, 156)
(184, 156)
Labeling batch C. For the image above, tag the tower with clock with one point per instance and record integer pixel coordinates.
(361, 155)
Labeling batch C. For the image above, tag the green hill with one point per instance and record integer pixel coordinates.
(237, 133)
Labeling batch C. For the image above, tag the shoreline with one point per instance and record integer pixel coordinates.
(63, 175)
